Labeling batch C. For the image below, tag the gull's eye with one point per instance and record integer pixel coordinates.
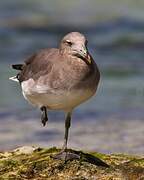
(69, 42)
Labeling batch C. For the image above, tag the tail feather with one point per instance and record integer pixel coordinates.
(17, 66)
(14, 78)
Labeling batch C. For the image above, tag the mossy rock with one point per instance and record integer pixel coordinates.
(38, 164)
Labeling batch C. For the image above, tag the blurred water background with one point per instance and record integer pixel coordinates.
(110, 122)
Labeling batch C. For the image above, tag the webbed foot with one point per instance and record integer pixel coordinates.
(69, 155)
(66, 156)
(44, 117)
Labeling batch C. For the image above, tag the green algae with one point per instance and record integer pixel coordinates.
(40, 165)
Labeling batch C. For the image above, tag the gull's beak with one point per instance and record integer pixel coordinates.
(83, 54)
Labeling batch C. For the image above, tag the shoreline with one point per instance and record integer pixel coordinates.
(106, 135)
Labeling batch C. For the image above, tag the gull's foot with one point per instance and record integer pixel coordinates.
(82, 157)
(44, 117)
(66, 156)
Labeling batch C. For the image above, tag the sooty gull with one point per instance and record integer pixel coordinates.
(59, 78)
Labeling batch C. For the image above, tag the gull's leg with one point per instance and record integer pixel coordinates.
(68, 154)
(67, 126)
(65, 154)
(44, 117)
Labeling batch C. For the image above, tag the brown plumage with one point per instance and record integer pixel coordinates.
(60, 79)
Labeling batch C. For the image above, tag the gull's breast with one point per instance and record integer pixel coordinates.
(56, 99)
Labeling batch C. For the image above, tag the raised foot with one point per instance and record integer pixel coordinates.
(44, 117)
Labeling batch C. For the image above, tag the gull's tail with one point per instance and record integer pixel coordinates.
(17, 67)
(14, 78)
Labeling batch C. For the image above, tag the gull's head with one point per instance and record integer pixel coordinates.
(75, 44)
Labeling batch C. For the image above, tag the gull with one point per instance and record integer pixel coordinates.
(59, 79)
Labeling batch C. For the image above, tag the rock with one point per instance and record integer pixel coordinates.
(38, 164)
(25, 150)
